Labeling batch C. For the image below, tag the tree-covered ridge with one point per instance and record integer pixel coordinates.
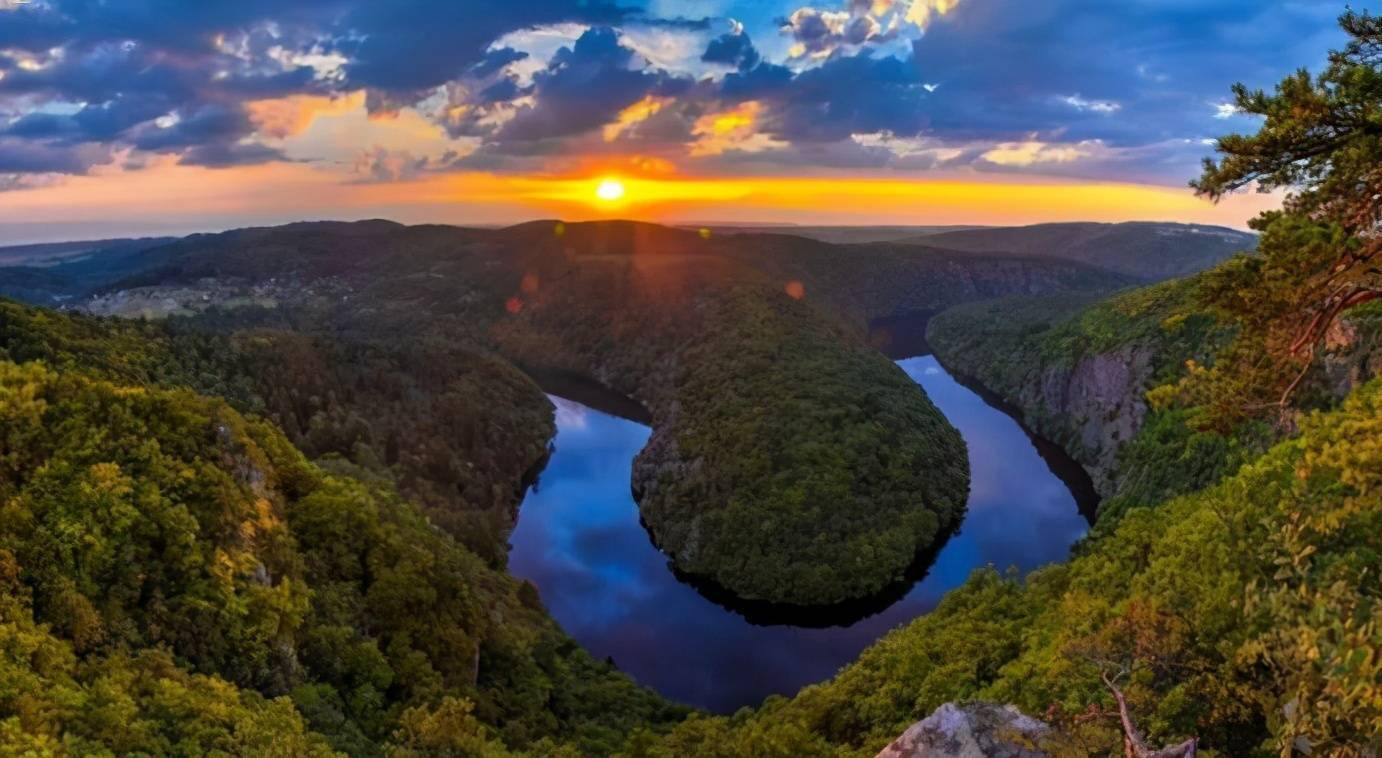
(1145, 251)
(179, 577)
(456, 429)
(1062, 329)
(1245, 614)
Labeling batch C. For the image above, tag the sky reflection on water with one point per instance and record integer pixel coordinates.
(580, 541)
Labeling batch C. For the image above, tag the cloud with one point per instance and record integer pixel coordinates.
(225, 155)
(921, 12)
(1032, 152)
(77, 71)
(90, 123)
(213, 123)
(383, 165)
(585, 87)
(633, 115)
(1065, 86)
(13, 182)
(20, 156)
(734, 49)
(850, 94)
(818, 34)
(280, 118)
(1225, 110)
(734, 129)
(917, 152)
(1098, 106)
(415, 45)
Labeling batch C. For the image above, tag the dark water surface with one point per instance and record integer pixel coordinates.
(580, 541)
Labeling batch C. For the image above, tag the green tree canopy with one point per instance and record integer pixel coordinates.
(1321, 141)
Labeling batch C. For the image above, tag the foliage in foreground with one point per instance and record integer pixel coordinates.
(1245, 614)
(177, 577)
(1321, 140)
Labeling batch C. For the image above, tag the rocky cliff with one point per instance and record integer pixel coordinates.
(1077, 383)
(972, 730)
(1079, 369)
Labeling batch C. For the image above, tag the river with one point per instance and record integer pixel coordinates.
(580, 541)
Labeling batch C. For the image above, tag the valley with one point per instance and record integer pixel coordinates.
(630, 305)
(453, 419)
(714, 379)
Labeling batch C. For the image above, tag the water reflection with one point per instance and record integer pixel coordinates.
(580, 541)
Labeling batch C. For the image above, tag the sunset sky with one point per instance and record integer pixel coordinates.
(162, 116)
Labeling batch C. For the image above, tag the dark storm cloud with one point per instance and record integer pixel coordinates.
(850, 95)
(586, 86)
(495, 60)
(124, 63)
(732, 49)
(209, 124)
(410, 45)
(92, 123)
(761, 81)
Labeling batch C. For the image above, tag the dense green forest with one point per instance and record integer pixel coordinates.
(178, 578)
(456, 430)
(1216, 608)
(789, 462)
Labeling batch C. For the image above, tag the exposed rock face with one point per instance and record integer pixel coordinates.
(1092, 408)
(972, 730)
(1352, 354)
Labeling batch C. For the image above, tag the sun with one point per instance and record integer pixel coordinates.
(610, 190)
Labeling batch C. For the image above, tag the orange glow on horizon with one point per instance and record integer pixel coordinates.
(210, 199)
(855, 200)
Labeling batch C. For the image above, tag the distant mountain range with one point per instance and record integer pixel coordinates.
(1150, 251)
(835, 234)
(1144, 250)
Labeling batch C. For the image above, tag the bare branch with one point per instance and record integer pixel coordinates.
(1134, 746)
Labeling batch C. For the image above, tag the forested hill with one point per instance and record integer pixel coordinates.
(177, 578)
(1147, 251)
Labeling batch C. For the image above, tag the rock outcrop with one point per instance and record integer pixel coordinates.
(1091, 408)
(971, 730)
